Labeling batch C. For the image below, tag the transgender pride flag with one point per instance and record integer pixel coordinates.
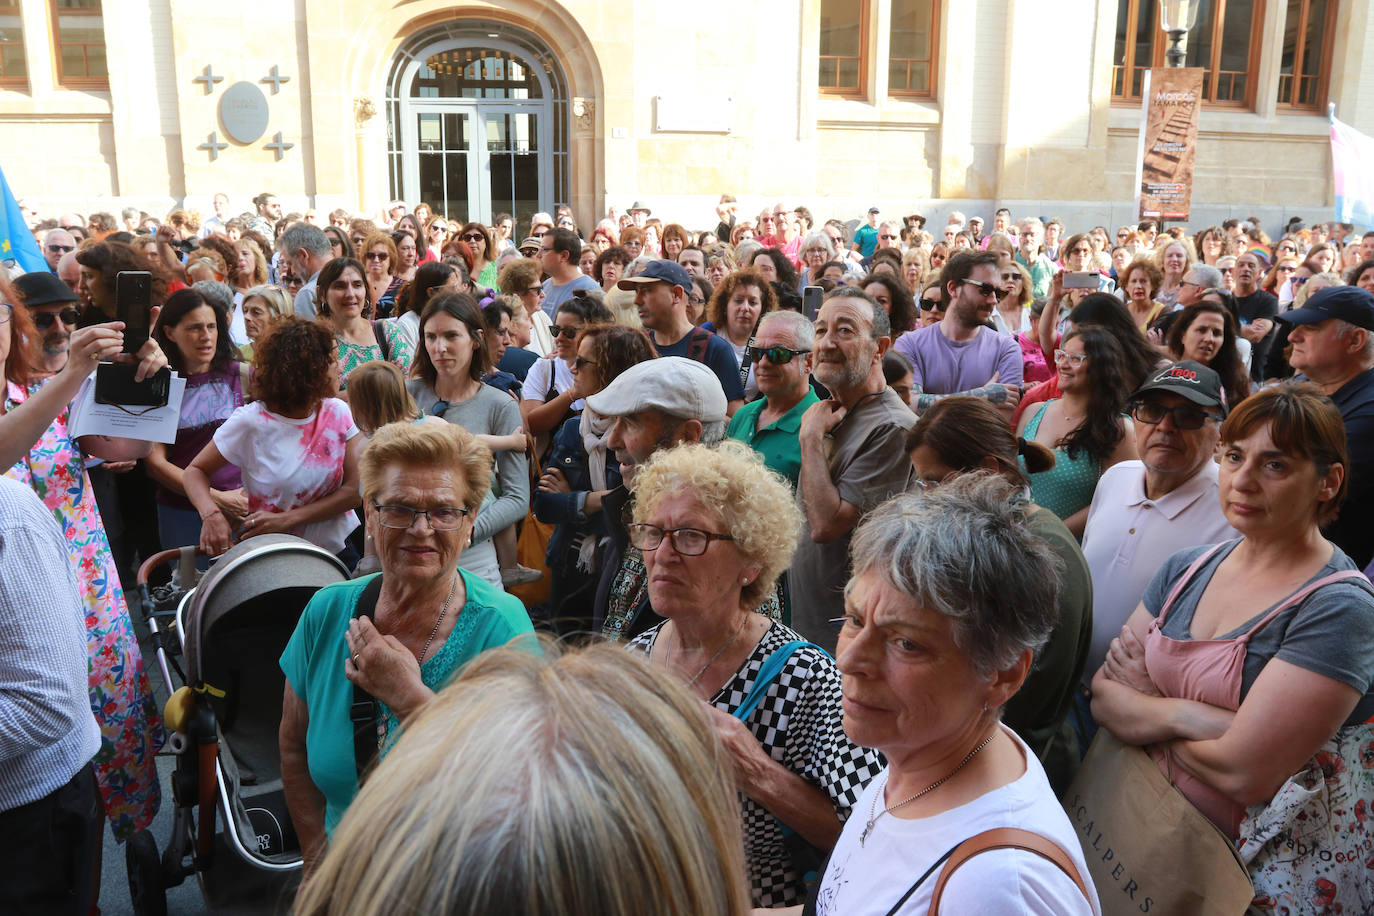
(1351, 155)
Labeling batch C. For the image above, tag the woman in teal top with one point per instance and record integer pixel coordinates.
(1086, 426)
(422, 486)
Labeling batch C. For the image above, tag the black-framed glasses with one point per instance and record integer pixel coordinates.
(1185, 417)
(538, 290)
(696, 300)
(985, 289)
(45, 320)
(890, 238)
(579, 364)
(61, 249)
(690, 542)
(930, 305)
(6, 312)
(568, 331)
(778, 356)
(444, 518)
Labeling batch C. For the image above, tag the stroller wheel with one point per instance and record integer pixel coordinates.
(147, 888)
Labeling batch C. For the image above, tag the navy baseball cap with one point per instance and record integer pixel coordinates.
(1348, 303)
(661, 271)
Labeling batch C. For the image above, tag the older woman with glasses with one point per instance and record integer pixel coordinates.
(816, 251)
(716, 528)
(422, 486)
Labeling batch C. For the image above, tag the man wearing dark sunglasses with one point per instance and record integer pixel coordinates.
(55, 244)
(782, 366)
(1144, 511)
(55, 310)
(961, 354)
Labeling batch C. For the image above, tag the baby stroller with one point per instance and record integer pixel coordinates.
(229, 630)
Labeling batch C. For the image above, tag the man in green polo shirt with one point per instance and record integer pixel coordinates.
(782, 367)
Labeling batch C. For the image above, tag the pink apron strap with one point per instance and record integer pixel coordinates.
(1184, 579)
(1300, 596)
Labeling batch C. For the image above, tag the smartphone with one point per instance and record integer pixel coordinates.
(811, 301)
(133, 302)
(1080, 279)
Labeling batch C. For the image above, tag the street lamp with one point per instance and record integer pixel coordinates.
(1177, 18)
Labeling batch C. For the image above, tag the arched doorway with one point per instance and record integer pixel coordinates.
(477, 123)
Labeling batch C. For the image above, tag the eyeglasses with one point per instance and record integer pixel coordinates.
(778, 356)
(440, 230)
(930, 305)
(474, 237)
(6, 312)
(888, 237)
(1226, 271)
(1073, 359)
(45, 320)
(566, 330)
(444, 518)
(335, 243)
(1011, 277)
(579, 364)
(690, 542)
(986, 289)
(376, 256)
(1285, 270)
(1182, 417)
(1288, 248)
(61, 249)
(696, 300)
(539, 233)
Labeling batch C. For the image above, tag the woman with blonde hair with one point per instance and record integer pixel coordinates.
(1173, 260)
(716, 528)
(573, 817)
(1012, 314)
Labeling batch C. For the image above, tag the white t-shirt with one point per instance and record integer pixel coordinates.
(289, 463)
(536, 387)
(870, 879)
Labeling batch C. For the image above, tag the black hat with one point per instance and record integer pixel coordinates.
(1348, 303)
(1188, 379)
(43, 288)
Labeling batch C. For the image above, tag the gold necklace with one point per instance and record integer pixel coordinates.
(873, 818)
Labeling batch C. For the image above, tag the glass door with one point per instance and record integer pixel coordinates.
(446, 160)
(513, 151)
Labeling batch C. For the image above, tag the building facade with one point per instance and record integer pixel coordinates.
(517, 105)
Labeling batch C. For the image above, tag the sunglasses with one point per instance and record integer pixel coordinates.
(45, 320)
(778, 356)
(1182, 417)
(55, 249)
(888, 237)
(985, 289)
(930, 305)
(376, 256)
(568, 331)
(579, 364)
(533, 289)
(474, 237)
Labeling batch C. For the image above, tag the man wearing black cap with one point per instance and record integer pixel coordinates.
(54, 308)
(661, 291)
(1333, 346)
(866, 236)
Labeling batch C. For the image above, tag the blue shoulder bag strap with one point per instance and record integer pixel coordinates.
(772, 667)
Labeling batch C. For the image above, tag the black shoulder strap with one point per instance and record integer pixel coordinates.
(363, 712)
(379, 332)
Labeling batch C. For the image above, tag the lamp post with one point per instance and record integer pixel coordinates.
(1177, 18)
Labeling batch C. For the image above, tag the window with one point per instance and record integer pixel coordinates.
(78, 29)
(913, 36)
(1225, 43)
(1308, 29)
(14, 70)
(843, 46)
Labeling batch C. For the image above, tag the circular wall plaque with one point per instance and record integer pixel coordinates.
(243, 111)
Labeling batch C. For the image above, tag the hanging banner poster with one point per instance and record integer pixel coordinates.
(1171, 101)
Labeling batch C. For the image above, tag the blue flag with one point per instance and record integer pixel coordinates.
(16, 241)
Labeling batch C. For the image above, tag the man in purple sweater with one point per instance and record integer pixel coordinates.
(962, 354)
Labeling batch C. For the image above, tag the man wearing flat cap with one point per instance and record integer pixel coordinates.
(653, 405)
(1333, 346)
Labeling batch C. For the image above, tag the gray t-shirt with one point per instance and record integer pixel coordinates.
(488, 413)
(1330, 633)
(555, 295)
(868, 465)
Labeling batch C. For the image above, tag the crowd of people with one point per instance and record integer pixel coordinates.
(713, 555)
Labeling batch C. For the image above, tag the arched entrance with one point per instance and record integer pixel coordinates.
(477, 122)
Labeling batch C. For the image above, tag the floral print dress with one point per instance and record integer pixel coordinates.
(130, 726)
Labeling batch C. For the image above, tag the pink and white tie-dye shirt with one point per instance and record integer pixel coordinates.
(290, 463)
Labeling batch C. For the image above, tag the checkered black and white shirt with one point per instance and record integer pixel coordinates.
(798, 722)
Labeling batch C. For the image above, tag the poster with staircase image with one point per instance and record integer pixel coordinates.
(1168, 142)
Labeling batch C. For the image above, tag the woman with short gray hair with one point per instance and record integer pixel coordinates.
(948, 604)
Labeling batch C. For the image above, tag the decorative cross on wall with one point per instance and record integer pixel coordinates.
(214, 144)
(208, 77)
(279, 146)
(276, 79)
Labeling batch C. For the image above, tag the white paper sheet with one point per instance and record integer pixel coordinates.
(159, 424)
